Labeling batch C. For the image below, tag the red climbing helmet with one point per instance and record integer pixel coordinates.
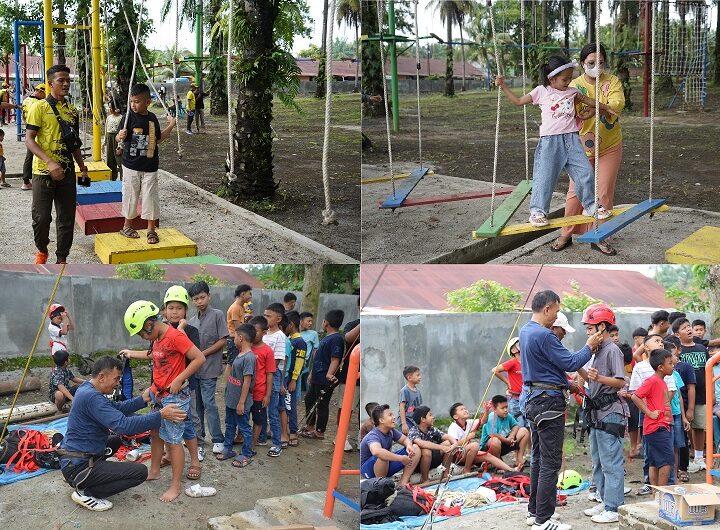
(55, 309)
(597, 313)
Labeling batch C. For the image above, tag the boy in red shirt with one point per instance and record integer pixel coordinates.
(513, 380)
(653, 399)
(264, 373)
(169, 349)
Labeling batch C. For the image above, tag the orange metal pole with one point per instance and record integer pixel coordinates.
(709, 427)
(343, 427)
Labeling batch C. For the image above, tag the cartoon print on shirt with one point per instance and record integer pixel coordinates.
(562, 106)
(138, 143)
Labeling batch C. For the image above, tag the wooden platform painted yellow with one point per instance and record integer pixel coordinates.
(114, 248)
(702, 247)
(96, 170)
(564, 221)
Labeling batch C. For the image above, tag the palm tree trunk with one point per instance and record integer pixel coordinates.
(567, 16)
(372, 69)
(253, 159)
(357, 55)
(60, 34)
(449, 84)
(217, 68)
(716, 78)
(462, 53)
(320, 79)
(713, 280)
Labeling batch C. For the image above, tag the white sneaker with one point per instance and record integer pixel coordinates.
(348, 446)
(693, 467)
(530, 520)
(626, 490)
(595, 510)
(91, 503)
(602, 213)
(594, 496)
(606, 517)
(551, 524)
(701, 463)
(217, 448)
(201, 453)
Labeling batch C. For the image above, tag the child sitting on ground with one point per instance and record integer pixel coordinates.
(435, 447)
(61, 391)
(653, 400)
(559, 147)
(410, 397)
(140, 161)
(61, 323)
(464, 432)
(501, 433)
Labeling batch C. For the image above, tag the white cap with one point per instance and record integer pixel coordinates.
(561, 321)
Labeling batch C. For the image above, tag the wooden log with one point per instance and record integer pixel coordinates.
(27, 412)
(10, 387)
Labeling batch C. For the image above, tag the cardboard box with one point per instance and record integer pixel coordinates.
(688, 504)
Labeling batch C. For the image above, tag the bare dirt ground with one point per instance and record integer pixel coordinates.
(458, 140)
(300, 469)
(297, 154)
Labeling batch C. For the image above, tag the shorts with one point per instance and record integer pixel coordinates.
(514, 409)
(504, 448)
(634, 419)
(356, 396)
(367, 469)
(659, 451)
(259, 413)
(140, 186)
(678, 432)
(437, 458)
(2, 164)
(173, 432)
(699, 418)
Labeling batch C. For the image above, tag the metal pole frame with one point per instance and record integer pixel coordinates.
(16, 50)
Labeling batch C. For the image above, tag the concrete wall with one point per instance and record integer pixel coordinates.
(98, 306)
(455, 352)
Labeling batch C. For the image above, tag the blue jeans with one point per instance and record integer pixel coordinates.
(273, 408)
(173, 432)
(233, 422)
(552, 155)
(514, 409)
(608, 464)
(205, 396)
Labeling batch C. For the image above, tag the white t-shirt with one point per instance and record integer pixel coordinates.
(459, 433)
(276, 341)
(59, 342)
(642, 371)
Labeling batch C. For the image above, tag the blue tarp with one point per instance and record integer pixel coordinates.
(9, 476)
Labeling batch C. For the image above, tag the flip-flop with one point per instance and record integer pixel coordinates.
(293, 442)
(243, 461)
(196, 490)
(164, 462)
(604, 248)
(557, 247)
(193, 473)
(312, 435)
(284, 444)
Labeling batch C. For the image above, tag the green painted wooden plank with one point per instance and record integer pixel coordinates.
(205, 260)
(505, 211)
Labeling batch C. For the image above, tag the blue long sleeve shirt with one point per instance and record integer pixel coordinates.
(92, 414)
(544, 359)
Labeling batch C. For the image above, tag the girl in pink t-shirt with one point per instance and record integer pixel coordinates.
(559, 146)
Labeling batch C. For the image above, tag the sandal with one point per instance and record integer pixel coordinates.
(683, 476)
(557, 245)
(312, 435)
(243, 461)
(293, 442)
(283, 444)
(193, 473)
(274, 451)
(225, 455)
(604, 248)
(129, 231)
(164, 462)
(152, 238)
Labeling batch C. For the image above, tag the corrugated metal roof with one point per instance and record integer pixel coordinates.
(230, 275)
(424, 287)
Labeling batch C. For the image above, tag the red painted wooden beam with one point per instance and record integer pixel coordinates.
(424, 201)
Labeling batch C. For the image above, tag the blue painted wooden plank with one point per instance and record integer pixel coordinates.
(617, 223)
(405, 188)
(347, 500)
(100, 192)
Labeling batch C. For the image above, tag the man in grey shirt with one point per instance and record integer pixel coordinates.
(212, 326)
(608, 414)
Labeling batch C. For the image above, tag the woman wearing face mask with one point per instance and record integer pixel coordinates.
(611, 93)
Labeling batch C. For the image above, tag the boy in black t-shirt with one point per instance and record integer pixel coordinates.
(696, 355)
(140, 162)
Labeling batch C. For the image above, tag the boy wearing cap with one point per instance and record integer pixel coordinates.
(61, 323)
(190, 107)
(513, 380)
(28, 102)
(561, 326)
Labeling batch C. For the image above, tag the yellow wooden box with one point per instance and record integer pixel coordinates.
(96, 170)
(115, 248)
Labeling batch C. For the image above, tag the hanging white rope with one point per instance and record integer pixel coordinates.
(380, 12)
(174, 61)
(231, 144)
(497, 112)
(135, 56)
(597, 110)
(328, 213)
(417, 82)
(652, 94)
(524, 88)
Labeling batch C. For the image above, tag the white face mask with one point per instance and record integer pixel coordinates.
(594, 71)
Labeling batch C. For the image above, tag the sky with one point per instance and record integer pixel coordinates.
(428, 22)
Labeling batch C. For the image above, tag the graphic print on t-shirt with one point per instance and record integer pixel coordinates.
(138, 143)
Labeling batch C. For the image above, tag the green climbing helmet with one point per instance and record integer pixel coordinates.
(569, 479)
(177, 293)
(137, 313)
